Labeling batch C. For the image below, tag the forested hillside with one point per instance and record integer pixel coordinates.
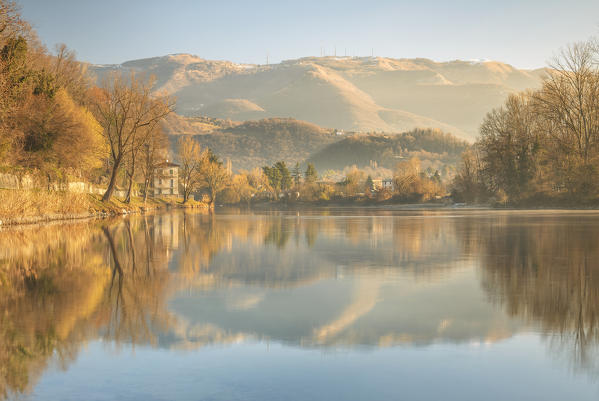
(433, 147)
(253, 143)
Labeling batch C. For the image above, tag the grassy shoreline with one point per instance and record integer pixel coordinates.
(39, 206)
(36, 206)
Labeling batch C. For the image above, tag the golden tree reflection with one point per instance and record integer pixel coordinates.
(64, 285)
(50, 290)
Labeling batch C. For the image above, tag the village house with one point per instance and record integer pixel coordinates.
(166, 180)
(387, 184)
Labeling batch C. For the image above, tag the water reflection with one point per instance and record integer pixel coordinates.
(546, 270)
(185, 280)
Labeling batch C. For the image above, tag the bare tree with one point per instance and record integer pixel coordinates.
(569, 105)
(152, 154)
(123, 108)
(70, 74)
(139, 143)
(191, 158)
(510, 138)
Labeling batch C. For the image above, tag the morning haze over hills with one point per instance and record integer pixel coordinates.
(332, 97)
(349, 93)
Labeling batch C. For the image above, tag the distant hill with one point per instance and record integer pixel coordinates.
(253, 143)
(262, 142)
(351, 93)
(435, 148)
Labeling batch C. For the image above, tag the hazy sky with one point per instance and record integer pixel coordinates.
(525, 33)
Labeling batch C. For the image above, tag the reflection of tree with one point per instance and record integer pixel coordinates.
(547, 272)
(62, 285)
(51, 288)
(202, 239)
(135, 301)
(278, 233)
(311, 232)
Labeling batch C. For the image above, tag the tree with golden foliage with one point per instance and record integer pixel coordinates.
(45, 127)
(412, 184)
(59, 135)
(354, 181)
(245, 185)
(215, 177)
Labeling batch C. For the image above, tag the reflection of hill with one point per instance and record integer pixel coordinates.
(349, 311)
(365, 279)
(361, 280)
(283, 250)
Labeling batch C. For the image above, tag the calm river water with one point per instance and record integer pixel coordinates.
(311, 305)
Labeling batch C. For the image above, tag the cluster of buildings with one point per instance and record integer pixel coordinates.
(166, 181)
(380, 184)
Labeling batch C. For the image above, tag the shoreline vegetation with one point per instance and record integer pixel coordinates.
(541, 147)
(39, 206)
(59, 126)
(62, 128)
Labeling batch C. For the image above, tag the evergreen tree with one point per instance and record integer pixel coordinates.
(297, 175)
(274, 177)
(311, 173)
(285, 175)
(369, 184)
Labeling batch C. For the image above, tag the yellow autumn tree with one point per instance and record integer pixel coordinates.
(59, 136)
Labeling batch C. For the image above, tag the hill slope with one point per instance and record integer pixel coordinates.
(253, 143)
(435, 148)
(356, 94)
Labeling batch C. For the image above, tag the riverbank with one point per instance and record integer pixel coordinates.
(352, 203)
(36, 206)
(433, 205)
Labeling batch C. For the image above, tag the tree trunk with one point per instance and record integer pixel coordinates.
(128, 197)
(131, 174)
(212, 198)
(108, 194)
(132, 245)
(146, 186)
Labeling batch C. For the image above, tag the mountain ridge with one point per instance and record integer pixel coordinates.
(351, 93)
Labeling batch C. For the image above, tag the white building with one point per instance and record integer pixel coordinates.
(387, 183)
(166, 179)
